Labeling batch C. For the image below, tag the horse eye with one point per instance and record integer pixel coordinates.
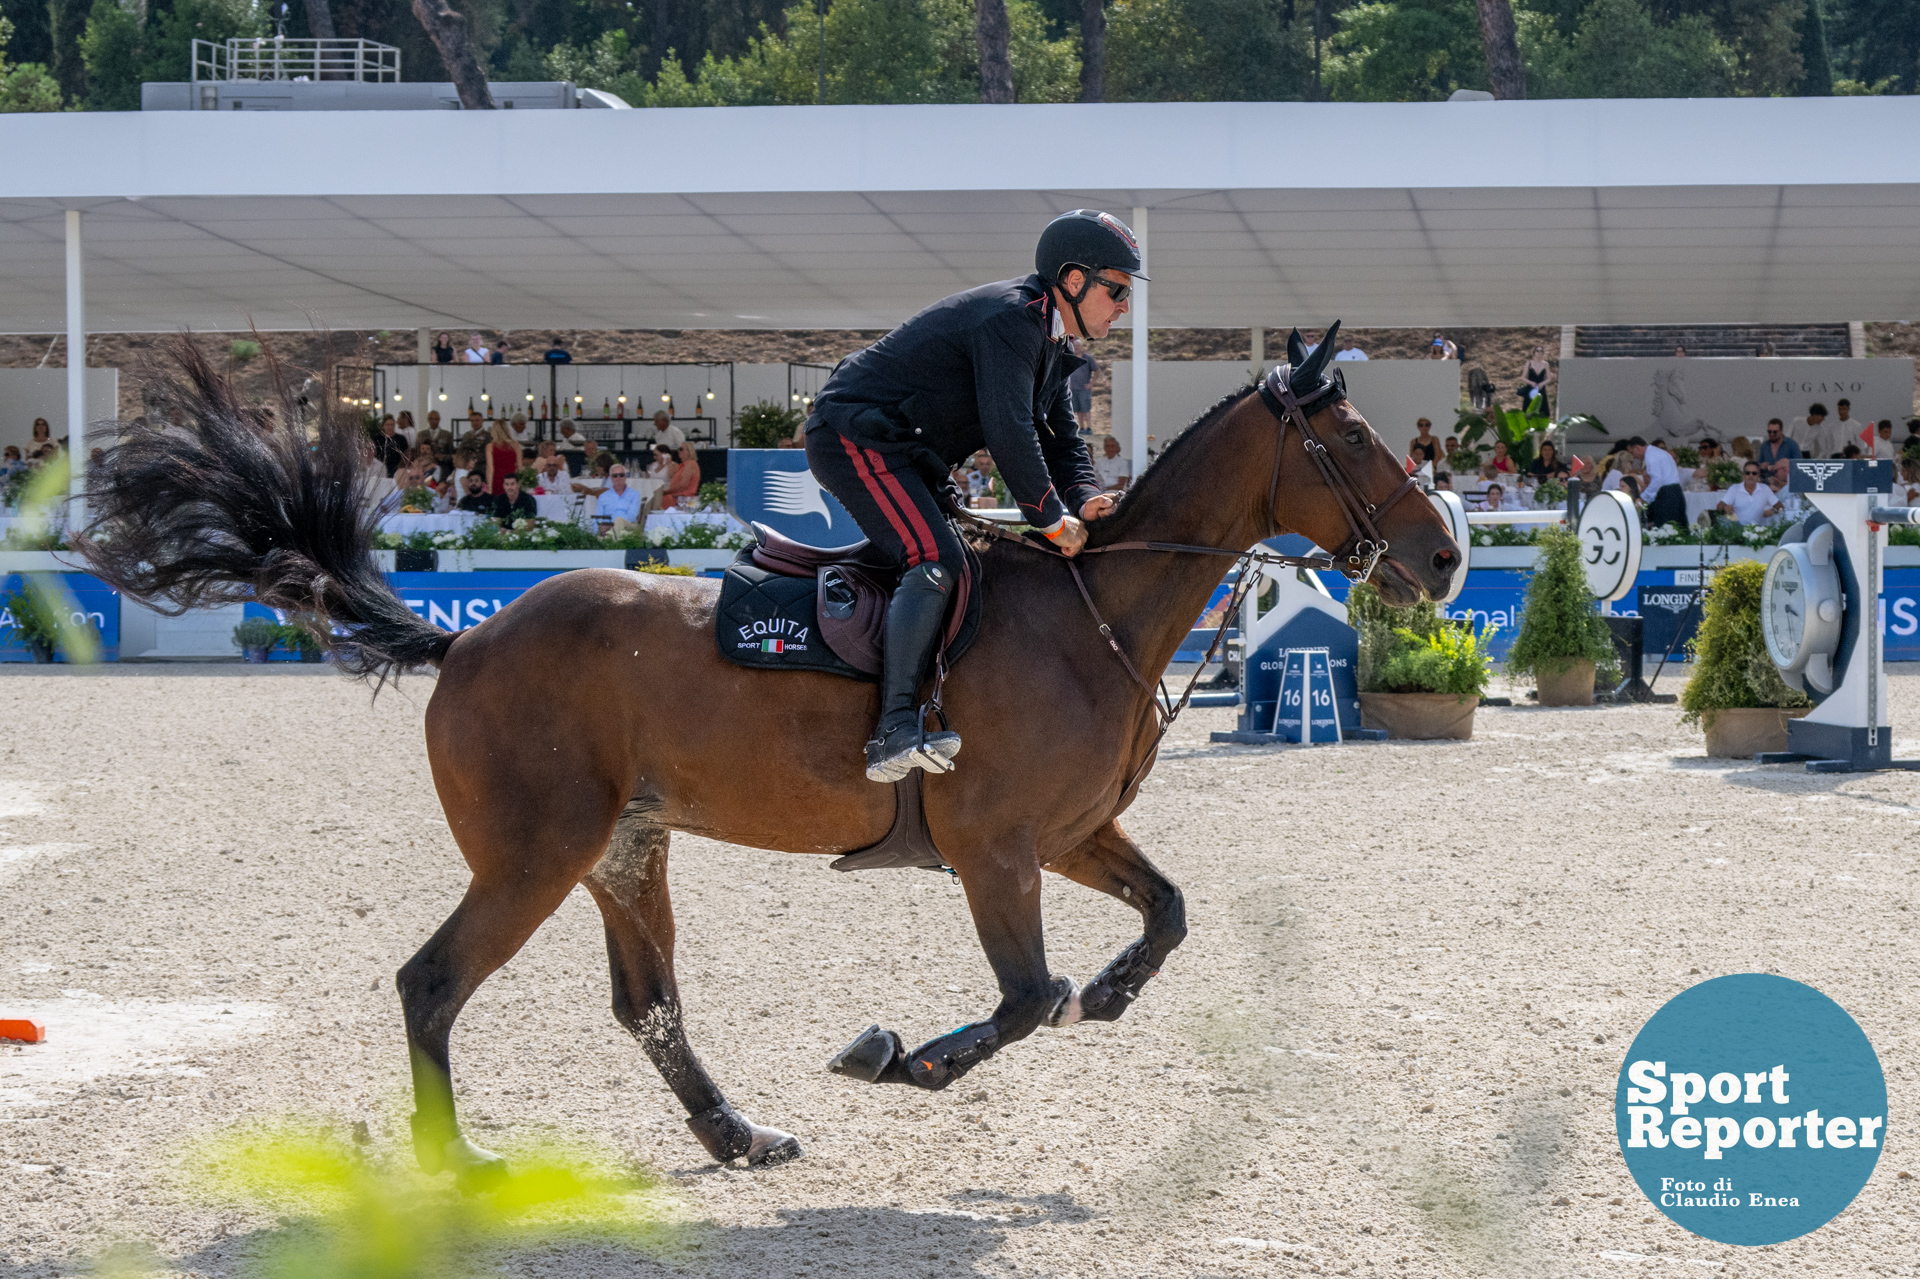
(1356, 437)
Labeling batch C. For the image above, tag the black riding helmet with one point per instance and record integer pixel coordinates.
(1090, 240)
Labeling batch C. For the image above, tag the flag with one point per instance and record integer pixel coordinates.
(773, 646)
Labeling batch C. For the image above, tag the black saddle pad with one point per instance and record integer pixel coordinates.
(771, 622)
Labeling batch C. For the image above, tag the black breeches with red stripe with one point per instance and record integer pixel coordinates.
(888, 499)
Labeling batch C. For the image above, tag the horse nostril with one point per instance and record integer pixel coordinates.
(1444, 561)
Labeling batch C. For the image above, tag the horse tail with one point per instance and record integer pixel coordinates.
(222, 501)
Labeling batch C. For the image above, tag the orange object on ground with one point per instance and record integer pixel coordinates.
(22, 1029)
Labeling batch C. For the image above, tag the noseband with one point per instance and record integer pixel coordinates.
(1366, 545)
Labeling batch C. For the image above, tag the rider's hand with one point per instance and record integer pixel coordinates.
(1072, 537)
(1096, 507)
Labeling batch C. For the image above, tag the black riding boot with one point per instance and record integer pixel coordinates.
(914, 618)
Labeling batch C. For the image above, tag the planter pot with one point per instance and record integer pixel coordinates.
(1572, 687)
(1744, 732)
(256, 654)
(1419, 717)
(41, 652)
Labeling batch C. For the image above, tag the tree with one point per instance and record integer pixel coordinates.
(1206, 51)
(1817, 79)
(996, 65)
(24, 86)
(449, 32)
(1503, 49)
(1407, 51)
(1619, 51)
(111, 48)
(1093, 50)
(66, 23)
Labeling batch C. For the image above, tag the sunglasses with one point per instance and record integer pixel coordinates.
(1117, 290)
(620, 475)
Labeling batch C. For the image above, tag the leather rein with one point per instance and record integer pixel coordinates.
(1366, 544)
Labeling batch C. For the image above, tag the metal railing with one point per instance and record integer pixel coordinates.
(278, 58)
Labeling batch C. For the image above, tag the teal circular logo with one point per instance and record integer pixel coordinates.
(1751, 1109)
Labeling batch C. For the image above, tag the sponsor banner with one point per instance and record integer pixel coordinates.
(92, 603)
(1685, 400)
(775, 488)
(456, 601)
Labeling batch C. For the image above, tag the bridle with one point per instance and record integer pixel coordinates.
(1365, 546)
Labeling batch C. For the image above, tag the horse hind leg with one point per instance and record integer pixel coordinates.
(1112, 863)
(630, 886)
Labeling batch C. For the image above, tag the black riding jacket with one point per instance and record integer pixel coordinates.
(976, 370)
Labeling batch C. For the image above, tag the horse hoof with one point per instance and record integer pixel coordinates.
(872, 1051)
(1066, 1003)
(771, 1147)
(475, 1168)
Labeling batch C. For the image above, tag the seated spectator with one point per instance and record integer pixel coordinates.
(1742, 447)
(619, 501)
(542, 451)
(1620, 466)
(557, 352)
(511, 504)
(1709, 450)
(1348, 349)
(518, 428)
(388, 446)
(1632, 485)
(42, 435)
(1501, 462)
(553, 477)
(499, 353)
(1449, 447)
(1790, 505)
(1443, 481)
(683, 487)
(1912, 443)
(10, 461)
(1851, 452)
(569, 439)
(1906, 491)
(1750, 501)
(1424, 447)
(1548, 466)
(1496, 496)
(1680, 351)
(477, 352)
(1110, 469)
(473, 494)
(1441, 349)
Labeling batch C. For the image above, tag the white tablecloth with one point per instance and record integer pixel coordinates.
(677, 521)
(553, 506)
(452, 522)
(1698, 503)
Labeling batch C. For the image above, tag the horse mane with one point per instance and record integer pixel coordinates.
(1132, 502)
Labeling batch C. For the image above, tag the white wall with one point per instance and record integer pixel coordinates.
(26, 394)
(1688, 398)
(1390, 394)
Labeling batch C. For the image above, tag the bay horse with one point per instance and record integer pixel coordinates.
(231, 504)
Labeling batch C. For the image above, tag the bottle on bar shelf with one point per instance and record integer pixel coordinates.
(469, 406)
(543, 408)
(606, 408)
(579, 407)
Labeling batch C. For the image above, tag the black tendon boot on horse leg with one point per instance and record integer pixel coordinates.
(1004, 897)
(914, 617)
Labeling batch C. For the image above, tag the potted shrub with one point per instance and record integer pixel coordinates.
(255, 638)
(299, 639)
(1420, 675)
(765, 425)
(36, 619)
(1562, 641)
(1736, 692)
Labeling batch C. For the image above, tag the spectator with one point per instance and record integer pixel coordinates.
(463, 466)
(42, 435)
(1080, 393)
(473, 494)
(1441, 349)
(1911, 445)
(1884, 448)
(683, 489)
(433, 423)
(590, 456)
(1906, 492)
(1850, 452)
(1112, 471)
(499, 353)
(557, 352)
(1536, 377)
(477, 352)
(1349, 350)
(512, 504)
(518, 428)
(1777, 447)
(1501, 461)
(1680, 351)
(1443, 481)
(1666, 503)
(443, 349)
(503, 459)
(553, 476)
(1750, 501)
(1449, 447)
(476, 436)
(618, 501)
(1811, 433)
(1700, 481)
(1709, 450)
(10, 461)
(1742, 447)
(567, 438)
(1424, 447)
(388, 446)
(1548, 466)
(1844, 427)
(1495, 496)
(665, 432)
(404, 427)
(1789, 501)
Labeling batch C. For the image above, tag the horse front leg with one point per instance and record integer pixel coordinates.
(1110, 862)
(1003, 893)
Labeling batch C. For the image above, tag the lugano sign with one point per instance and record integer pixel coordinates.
(1686, 399)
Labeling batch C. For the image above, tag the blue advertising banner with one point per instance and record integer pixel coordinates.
(93, 604)
(455, 601)
(775, 487)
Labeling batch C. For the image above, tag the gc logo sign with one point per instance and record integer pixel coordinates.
(1610, 541)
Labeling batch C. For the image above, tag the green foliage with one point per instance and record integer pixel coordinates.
(1731, 666)
(1618, 50)
(713, 495)
(243, 350)
(24, 86)
(1406, 51)
(1207, 51)
(111, 49)
(1549, 494)
(298, 637)
(1504, 534)
(1416, 649)
(1562, 623)
(35, 613)
(1686, 456)
(420, 498)
(765, 425)
(550, 535)
(256, 632)
(1724, 474)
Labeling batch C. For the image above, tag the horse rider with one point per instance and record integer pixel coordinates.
(987, 368)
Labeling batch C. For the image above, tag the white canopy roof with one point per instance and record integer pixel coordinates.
(1786, 210)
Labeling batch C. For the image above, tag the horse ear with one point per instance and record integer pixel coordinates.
(1307, 376)
(1296, 349)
